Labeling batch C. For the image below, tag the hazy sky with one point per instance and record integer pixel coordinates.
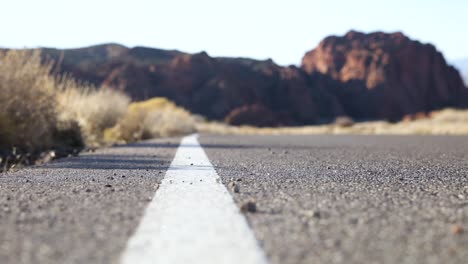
(280, 29)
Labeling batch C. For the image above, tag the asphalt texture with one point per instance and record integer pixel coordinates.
(351, 199)
(81, 209)
(319, 199)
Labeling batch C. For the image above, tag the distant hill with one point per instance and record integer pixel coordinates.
(364, 76)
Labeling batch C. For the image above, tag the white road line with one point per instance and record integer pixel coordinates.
(192, 218)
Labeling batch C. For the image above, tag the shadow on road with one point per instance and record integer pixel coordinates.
(214, 146)
(110, 162)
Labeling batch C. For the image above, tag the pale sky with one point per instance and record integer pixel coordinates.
(279, 29)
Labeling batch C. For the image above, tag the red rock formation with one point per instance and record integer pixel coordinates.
(386, 75)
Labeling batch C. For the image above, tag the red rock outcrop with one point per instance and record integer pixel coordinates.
(386, 76)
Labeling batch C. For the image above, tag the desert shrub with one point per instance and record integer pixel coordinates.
(27, 101)
(344, 121)
(93, 109)
(450, 115)
(167, 122)
(155, 117)
(41, 111)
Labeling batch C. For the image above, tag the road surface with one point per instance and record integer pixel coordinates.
(319, 199)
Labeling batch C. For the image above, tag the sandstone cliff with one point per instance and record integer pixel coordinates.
(386, 76)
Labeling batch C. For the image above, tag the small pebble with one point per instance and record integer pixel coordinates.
(108, 185)
(234, 187)
(249, 207)
(312, 214)
(457, 229)
(316, 214)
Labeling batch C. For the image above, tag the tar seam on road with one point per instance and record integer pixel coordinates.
(192, 218)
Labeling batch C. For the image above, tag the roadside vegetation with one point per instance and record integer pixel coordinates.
(157, 117)
(442, 122)
(93, 110)
(43, 116)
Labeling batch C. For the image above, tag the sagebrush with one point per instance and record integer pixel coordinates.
(41, 111)
(27, 101)
(93, 109)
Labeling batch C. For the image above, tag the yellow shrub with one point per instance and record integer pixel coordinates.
(152, 118)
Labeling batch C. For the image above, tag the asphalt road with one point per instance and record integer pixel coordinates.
(320, 199)
(81, 209)
(351, 199)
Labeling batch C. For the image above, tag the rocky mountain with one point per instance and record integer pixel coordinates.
(386, 76)
(365, 76)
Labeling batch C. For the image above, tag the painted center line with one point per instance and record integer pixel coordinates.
(192, 218)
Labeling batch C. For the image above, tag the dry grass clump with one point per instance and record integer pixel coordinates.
(93, 109)
(450, 115)
(344, 121)
(40, 111)
(27, 101)
(157, 117)
(443, 122)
